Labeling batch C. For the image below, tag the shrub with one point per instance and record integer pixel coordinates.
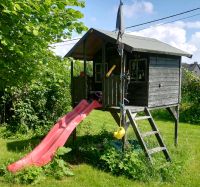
(190, 109)
(133, 164)
(39, 103)
(57, 169)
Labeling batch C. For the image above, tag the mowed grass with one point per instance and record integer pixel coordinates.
(86, 175)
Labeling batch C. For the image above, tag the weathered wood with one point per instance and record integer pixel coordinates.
(156, 149)
(85, 68)
(164, 65)
(180, 75)
(155, 70)
(74, 137)
(163, 93)
(174, 111)
(140, 136)
(149, 133)
(137, 133)
(142, 118)
(161, 87)
(72, 75)
(160, 76)
(162, 79)
(163, 96)
(112, 91)
(116, 117)
(162, 102)
(158, 136)
(78, 84)
(103, 71)
(164, 84)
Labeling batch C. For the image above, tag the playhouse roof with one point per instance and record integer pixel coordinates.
(94, 40)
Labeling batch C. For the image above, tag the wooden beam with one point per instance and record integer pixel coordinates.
(72, 75)
(85, 68)
(115, 116)
(103, 73)
(174, 111)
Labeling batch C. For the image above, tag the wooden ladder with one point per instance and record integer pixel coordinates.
(140, 136)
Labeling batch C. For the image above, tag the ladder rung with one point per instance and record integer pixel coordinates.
(157, 149)
(149, 133)
(142, 117)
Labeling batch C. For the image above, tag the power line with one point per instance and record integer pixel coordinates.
(160, 19)
(145, 23)
(168, 22)
(141, 29)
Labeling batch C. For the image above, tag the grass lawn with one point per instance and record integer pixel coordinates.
(87, 175)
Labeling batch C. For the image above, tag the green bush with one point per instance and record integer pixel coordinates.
(57, 169)
(190, 108)
(133, 164)
(39, 103)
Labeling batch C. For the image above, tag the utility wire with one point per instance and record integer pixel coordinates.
(160, 19)
(167, 22)
(138, 29)
(145, 23)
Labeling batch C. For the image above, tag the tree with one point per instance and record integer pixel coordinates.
(27, 28)
(34, 84)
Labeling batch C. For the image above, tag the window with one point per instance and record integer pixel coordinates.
(98, 71)
(138, 69)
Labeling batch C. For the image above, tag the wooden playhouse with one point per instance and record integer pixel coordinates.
(152, 77)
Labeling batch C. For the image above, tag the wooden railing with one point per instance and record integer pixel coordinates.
(111, 92)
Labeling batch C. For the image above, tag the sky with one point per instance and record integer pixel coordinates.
(183, 34)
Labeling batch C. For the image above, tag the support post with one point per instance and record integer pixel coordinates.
(174, 111)
(85, 67)
(72, 75)
(176, 127)
(115, 115)
(103, 73)
(123, 111)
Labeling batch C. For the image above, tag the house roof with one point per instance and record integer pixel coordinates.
(95, 38)
(191, 67)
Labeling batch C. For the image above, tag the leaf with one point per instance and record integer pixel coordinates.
(4, 42)
(35, 32)
(27, 28)
(63, 150)
(17, 7)
(6, 11)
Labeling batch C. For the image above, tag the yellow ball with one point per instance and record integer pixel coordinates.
(119, 134)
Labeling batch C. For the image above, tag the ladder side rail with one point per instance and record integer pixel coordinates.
(138, 134)
(158, 136)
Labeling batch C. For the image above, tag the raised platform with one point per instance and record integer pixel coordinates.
(140, 108)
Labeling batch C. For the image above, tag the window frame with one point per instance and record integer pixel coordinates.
(137, 61)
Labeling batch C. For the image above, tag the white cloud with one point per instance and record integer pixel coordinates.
(190, 25)
(176, 35)
(138, 7)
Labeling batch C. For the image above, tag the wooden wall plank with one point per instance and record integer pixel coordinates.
(163, 81)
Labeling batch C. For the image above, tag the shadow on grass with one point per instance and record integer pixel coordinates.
(89, 148)
(23, 145)
(86, 149)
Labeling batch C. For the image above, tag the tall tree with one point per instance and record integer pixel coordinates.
(27, 27)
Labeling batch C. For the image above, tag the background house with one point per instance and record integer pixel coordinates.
(194, 68)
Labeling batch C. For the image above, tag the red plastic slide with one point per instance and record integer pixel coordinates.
(57, 136)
